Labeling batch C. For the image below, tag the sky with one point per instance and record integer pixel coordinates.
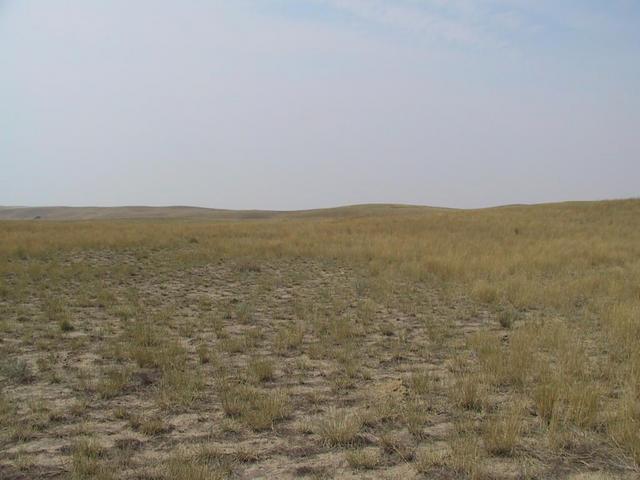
(295, 104)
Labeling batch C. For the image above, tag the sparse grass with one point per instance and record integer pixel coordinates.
(485, 292)
(383, 325)
(420, 382)
(113, 382)
(467, 456)
(395, 444)
(469, 392)
(244, 313)
(148, 345)
(289, 338)
(380, 409)
(625, 424)
(180, 387)
(149, 425)
(202, 465)
(502, 431)
(56, 312)
(363, 458)
(260, 370)
(509, 364)
(428, 459)
(87, 461)
(259, 410)
(415, 414)
(339, 427)
(546, 397)
(7, 407)
(582, 405)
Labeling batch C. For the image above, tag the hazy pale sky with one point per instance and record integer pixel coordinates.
(289, 104)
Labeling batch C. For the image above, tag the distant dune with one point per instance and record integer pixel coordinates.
(174, 212)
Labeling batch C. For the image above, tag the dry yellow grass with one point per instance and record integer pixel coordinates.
(547, 316)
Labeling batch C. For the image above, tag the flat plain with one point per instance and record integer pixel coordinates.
(374, 341)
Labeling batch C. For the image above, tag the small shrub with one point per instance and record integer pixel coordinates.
(65, 325)
(204, 353)
(507, 318)
(18, 371)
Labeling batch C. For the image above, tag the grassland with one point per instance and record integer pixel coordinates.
(369, 342)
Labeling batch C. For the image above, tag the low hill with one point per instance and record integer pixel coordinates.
(172, 212)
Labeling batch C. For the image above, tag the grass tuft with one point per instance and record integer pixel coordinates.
(339, 427)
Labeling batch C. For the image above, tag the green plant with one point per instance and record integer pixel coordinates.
(16, 370)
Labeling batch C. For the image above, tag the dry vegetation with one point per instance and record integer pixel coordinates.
(377, 343)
